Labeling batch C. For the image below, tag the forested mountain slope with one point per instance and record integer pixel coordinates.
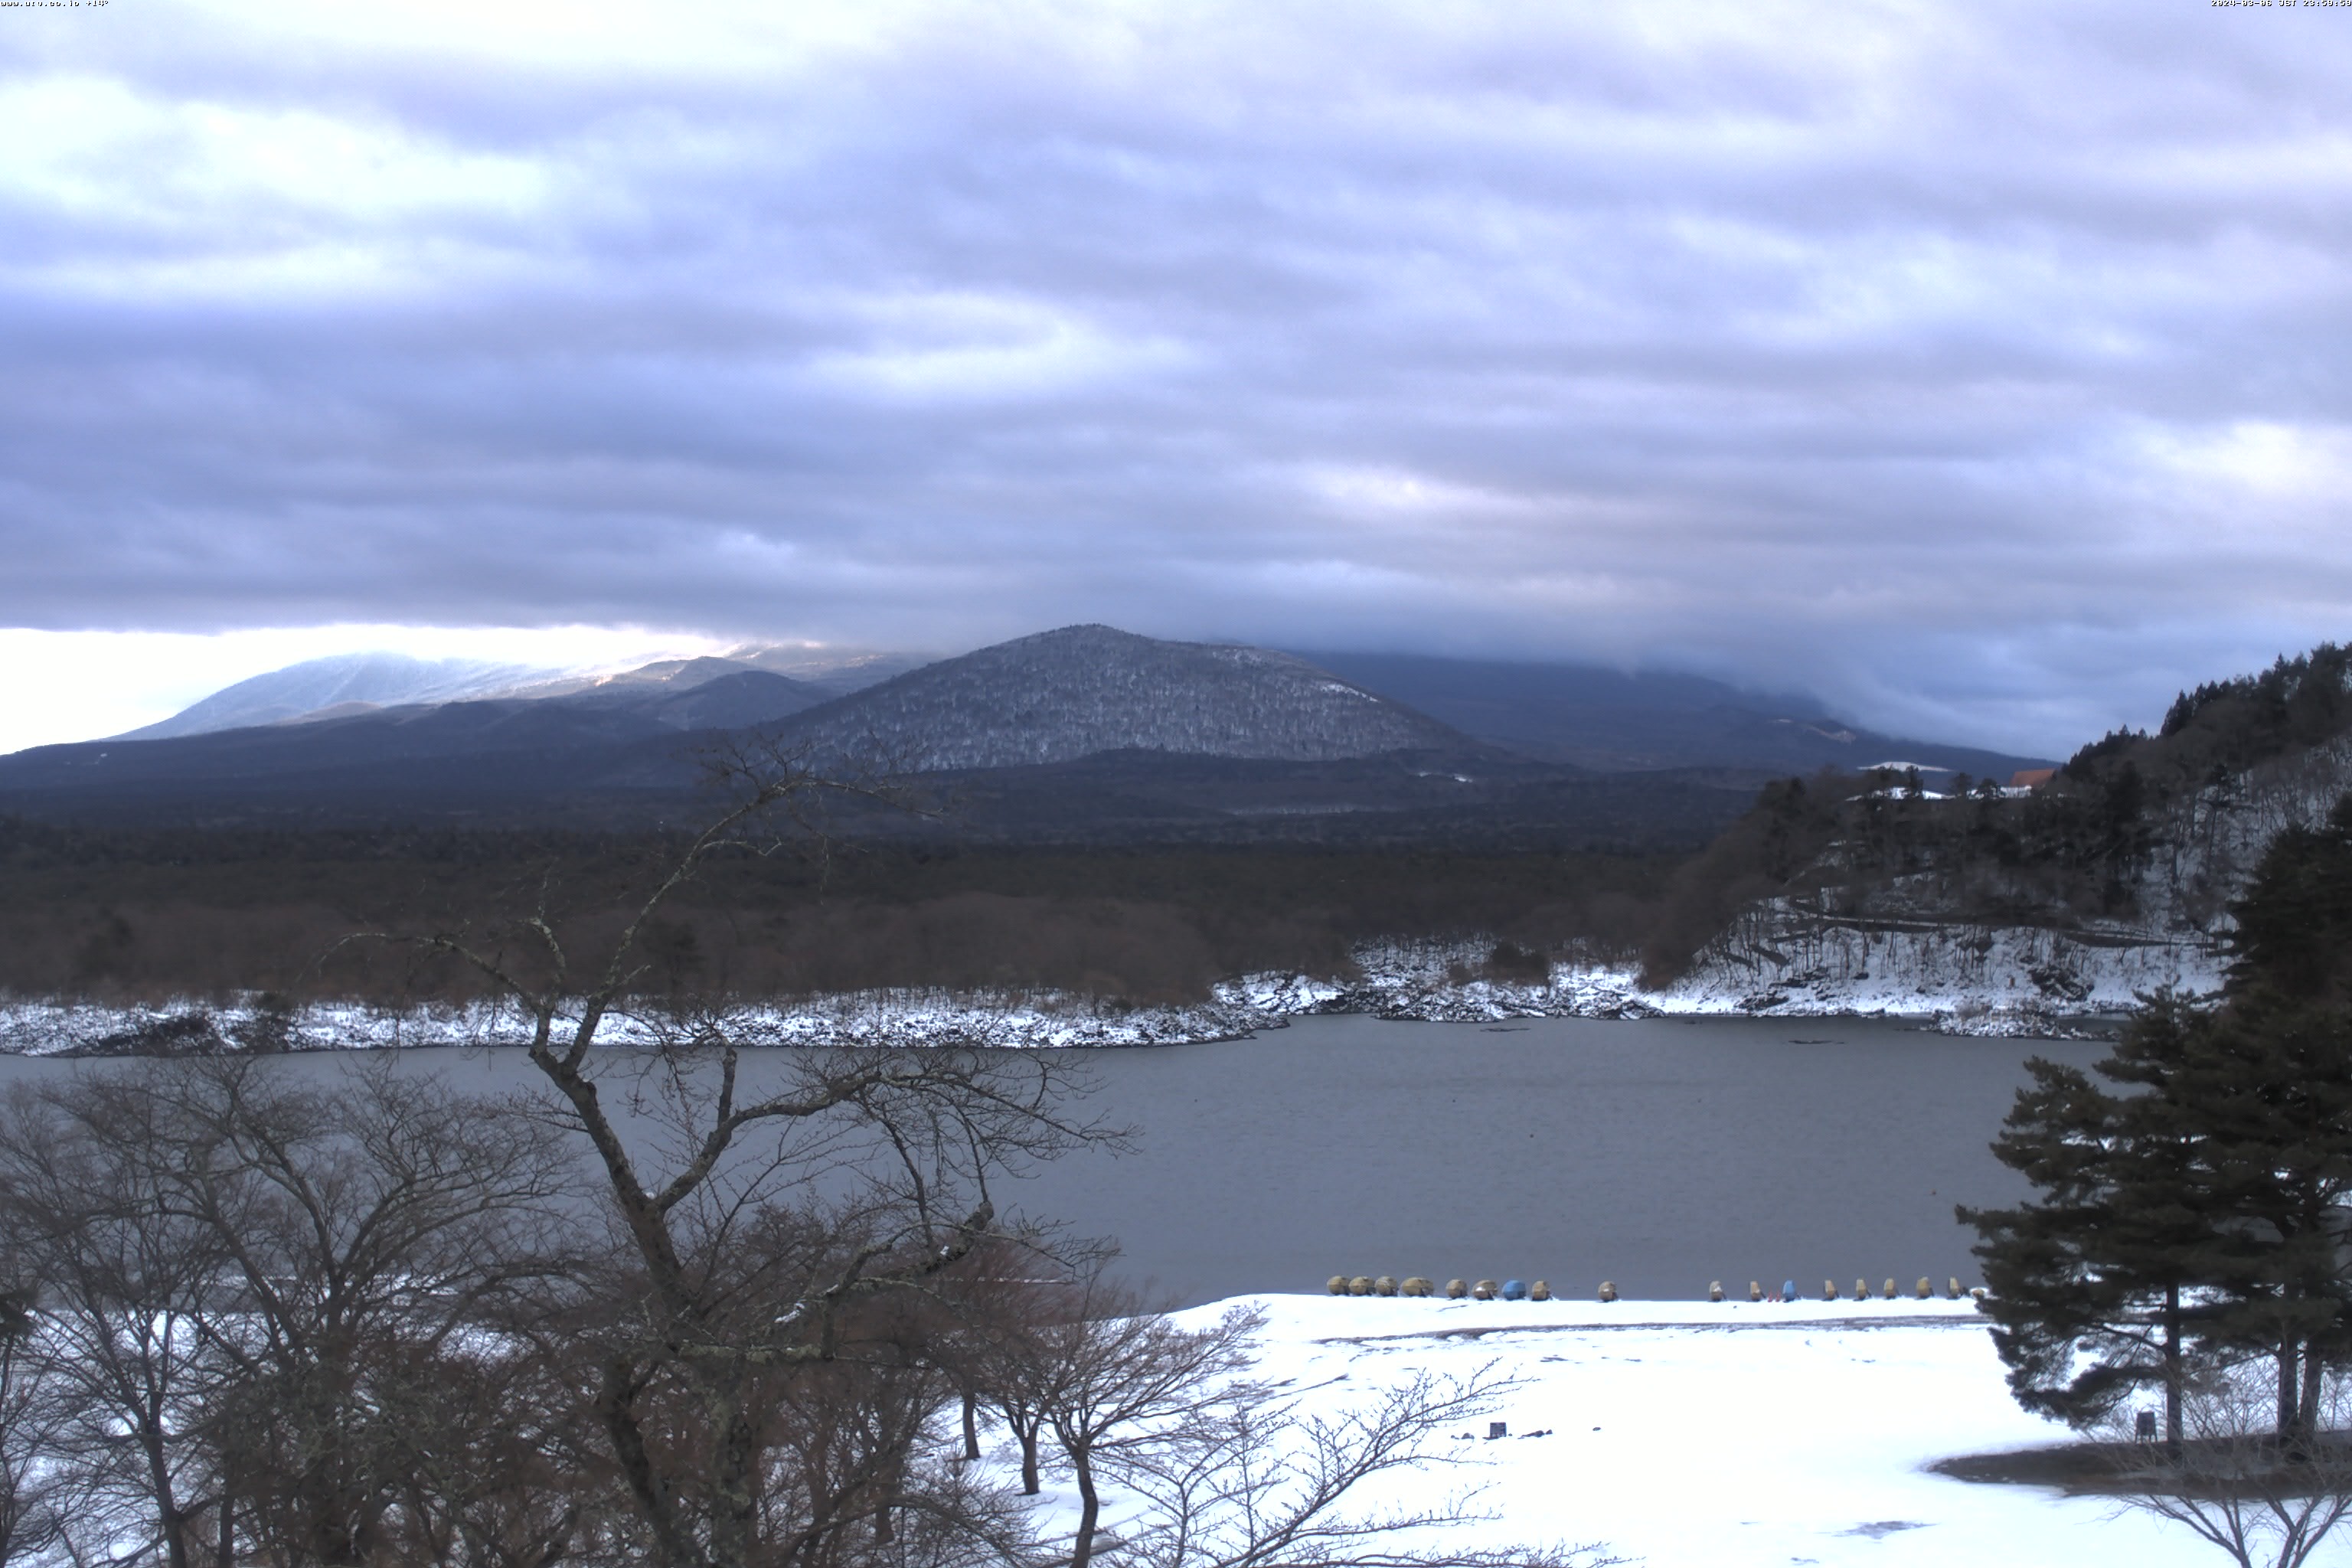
(2114, 877)
(1082, 690)
(1613, 721)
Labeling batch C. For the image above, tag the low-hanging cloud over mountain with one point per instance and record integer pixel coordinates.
(1981, 367)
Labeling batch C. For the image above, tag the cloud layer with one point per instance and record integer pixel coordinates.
(1983, 367)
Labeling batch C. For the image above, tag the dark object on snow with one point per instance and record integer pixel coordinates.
(1385, 1285)
(1456, 1289)
(1497, 1429)
(1362, 1285)
(1416, 1286)
(1339, 1286)
(2143, 1426)
(1514, 1290)
(1926, 1288)
(1608, 1289)
(1485, 1290)
(1539, 1291)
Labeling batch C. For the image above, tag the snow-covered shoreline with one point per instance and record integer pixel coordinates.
(1406, 981)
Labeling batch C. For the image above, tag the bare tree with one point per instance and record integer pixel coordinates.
(2264, 1500)
(1087, 1360)
(512, 1478)
(258, 1293)
(1260, 1484)
(756, 1233)
(364, 1230)
(125, 1281)
(33, 1484)
(1006, 1353)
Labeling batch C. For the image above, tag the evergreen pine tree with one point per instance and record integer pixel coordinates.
(2086, 1282)
(2267, 1088)
(2205, 1210)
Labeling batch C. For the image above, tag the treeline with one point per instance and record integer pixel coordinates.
(1879, 846)
(152, 915)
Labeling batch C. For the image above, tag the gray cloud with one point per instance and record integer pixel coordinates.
(1983, 368)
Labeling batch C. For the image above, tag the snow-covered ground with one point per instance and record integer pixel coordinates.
(1697, 1435)
(1396, 981)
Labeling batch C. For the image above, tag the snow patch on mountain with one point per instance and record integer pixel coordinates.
(352, 682)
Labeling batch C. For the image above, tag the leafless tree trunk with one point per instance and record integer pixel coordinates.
(34, 1411)
(262, 1290)
(1105, 1373)
(125, 1283)
(2266, 1499)
(365, 1225)
(759, 1230)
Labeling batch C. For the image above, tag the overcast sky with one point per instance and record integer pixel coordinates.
(1985, 367)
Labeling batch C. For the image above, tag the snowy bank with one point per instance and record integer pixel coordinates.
(44, 1027)
(1394, 981)
(1693, 1435)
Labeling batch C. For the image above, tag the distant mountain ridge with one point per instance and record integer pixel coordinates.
(1083, 733)
(340, 681)
(349, 685)
(1061, 695)
(1078, 691)
(1610, 720)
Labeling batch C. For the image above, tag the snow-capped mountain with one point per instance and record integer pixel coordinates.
(1084, 734)
(1082, 690)
(347, 682)
(1055, 699)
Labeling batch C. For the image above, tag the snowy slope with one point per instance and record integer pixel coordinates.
(1697, 1435)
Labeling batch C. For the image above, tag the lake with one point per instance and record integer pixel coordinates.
(1659, 1154)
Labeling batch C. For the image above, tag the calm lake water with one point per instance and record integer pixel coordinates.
(1660, 1155)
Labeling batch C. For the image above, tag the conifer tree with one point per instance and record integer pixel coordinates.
(2267, 1088)
(2204, 1210)
(2086, 1282)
